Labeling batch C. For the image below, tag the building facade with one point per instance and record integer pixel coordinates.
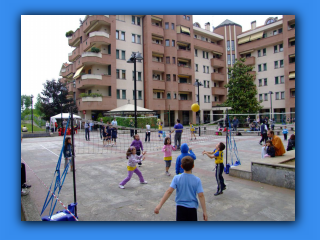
(176, 53)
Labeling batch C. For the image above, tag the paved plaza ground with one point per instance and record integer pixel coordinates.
(98, 175)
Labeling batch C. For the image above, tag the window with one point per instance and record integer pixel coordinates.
(168, 95)
(228, 45)
(138, 21)
(184, 16)
(139, 76)
(207, 69)
(260, 82)
(158, 95)
(168, 77)
(265, 82)
(264, 67)
(259, 68)
(260, 97)
(123, 36)
(123, 74)
(233, 59)
(275, 32)
(183, 80)
(188, 18)
(293, 92)
(196, 52)
(173, 43)
(208, 98)
(232, 45)
(203, 54)
(277, 96)
(275, 64)
(259, 53)
(124, 94)
(281, 47)
(174, 96)
(138, 39)
(139, 94)
(123, 55)
(166, 25)
(117, 54)
(204, 69)
(133, 38)
(275, 48)
(117, 73)
(173, 60)
(196, 67)
(282, 95)
(167, 42)
(133, 21)
(292, 43)
(281, 63)
(205, 98)
(109, 91)
(276, 80)
(266, 96)
(172, 26)
(174, 78)
(282, 79)
(197, 100)
(280, 30)
(133, 94)
(207, 55)
(229, 59)
(117, 34)
(118, 94)
(264, 52)
(183, 96)
(167, 60)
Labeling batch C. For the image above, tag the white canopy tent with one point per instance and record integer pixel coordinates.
(64, 116)
(129, 108)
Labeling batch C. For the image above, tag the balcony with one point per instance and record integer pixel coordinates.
(185, 70)
(276, 39)
(218, 63)
(217, 77)
(185, 87)
(181, 37)
(291, 33)
(157, 66)
(159, 104)
(219, 91)
(73, 40)
(97, 103)
(159, 84)
(184, 54)
(173, 103)
(291, 50)
(158, 48)
(185, 105)
(292, 67)
(214, 104)
(96, 58)
(208, 46)
(291, 84)
(157, 30)
(90, 80)
(93, 19)
(250, 61)
(75, 53)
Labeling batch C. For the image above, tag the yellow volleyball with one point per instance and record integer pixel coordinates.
(195, 107)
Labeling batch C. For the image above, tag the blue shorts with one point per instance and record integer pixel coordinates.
(159, 131)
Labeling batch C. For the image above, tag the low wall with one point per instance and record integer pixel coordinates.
(34, 135)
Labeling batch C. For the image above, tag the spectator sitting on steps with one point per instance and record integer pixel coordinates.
(276, 142)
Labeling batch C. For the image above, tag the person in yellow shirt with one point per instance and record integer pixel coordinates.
(160, 130)
(192, 130)
(276, 142)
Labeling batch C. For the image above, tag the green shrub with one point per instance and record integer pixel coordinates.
(69, 34)
(95, 50)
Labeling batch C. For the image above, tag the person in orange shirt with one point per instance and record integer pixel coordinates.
(277, 143)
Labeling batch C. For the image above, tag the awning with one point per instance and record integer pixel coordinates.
(244, 40)
(158, 91)
(157, 38)
(292, 75)
(183, 44)
(157, 55)
(156, 18)
(182, 60)
(185, 30)
(78, 72)
(245, 52)
(293, 39)
(184, 76)
(217, 53)
(293, 55)
(184, 92)
(256, 36)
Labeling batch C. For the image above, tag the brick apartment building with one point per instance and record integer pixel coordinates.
(176, 53)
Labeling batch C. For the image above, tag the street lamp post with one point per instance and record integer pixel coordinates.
(31, 112)
(135, 56)
(198, 84)
(270, 92)
(62, 88)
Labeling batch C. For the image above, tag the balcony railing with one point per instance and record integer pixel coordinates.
(99, 33)
(91, 54)
(91, 76)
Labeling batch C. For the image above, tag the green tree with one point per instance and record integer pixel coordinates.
(25, 102)
(54, 97)
(242, 91)
(37, 106)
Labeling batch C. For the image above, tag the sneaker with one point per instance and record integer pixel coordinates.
(217, 193)
(168, 174)
(225, 187)
(120, 186)
(24, 192)
(260, 143)
(145, 182)
(26, 186)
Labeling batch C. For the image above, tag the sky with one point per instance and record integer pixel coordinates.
(44, 46)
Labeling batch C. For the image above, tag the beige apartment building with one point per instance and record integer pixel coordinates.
(176, 53)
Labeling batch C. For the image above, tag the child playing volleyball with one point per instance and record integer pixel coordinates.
(192, 130)
(167, 149)
(133, 159)
(67, 152)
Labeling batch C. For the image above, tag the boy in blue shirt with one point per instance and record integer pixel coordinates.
(218, 155)
(285, 132)
(187, 186)
(184, 152)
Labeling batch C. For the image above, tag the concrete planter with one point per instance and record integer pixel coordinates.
(92, 99)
